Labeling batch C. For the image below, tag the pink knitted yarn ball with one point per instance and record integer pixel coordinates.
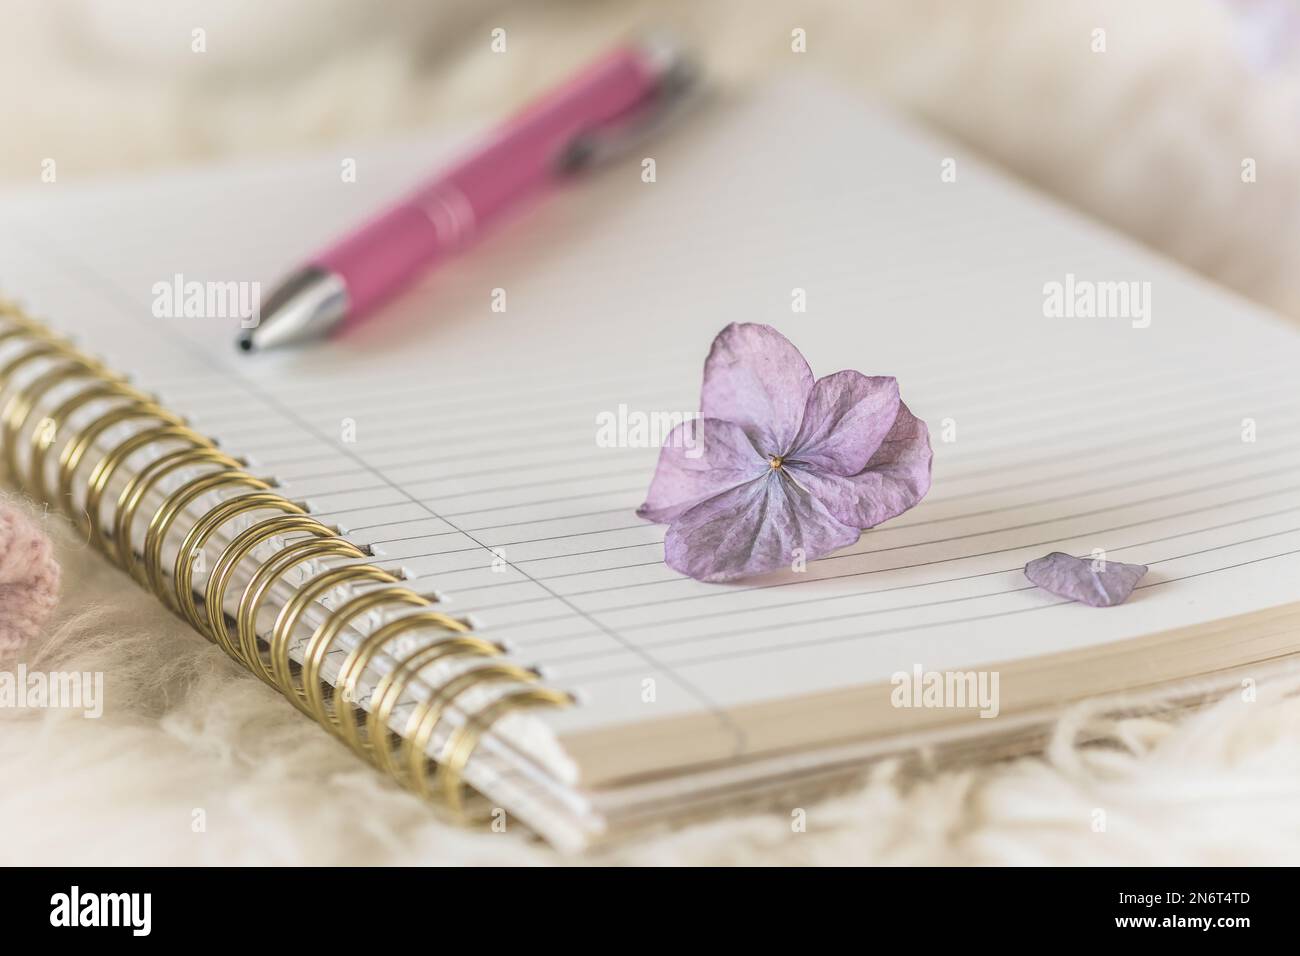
(29, 579)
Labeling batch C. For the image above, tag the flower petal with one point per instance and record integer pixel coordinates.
(1108, 583)
(699, 459)
(753, 529)
(896, 477)
(757, 379)
(847, 417)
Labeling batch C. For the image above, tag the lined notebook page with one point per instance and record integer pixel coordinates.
(462, 442)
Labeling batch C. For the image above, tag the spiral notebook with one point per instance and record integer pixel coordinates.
(420, 535)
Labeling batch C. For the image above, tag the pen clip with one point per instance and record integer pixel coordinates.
(672, 96)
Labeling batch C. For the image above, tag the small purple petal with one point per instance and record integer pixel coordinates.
(756, 378)
(847, 417)
(1108, 583)
(699, 459)
(896, 477)
(755, 528)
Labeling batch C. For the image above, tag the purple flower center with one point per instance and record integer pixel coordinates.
(775, 462)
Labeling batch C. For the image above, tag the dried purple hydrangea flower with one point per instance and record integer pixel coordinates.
(1094, 582)
(780, 466)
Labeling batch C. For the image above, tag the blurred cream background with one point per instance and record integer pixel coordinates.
(1149, 135)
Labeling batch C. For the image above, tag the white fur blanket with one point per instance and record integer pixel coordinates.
(194, 761)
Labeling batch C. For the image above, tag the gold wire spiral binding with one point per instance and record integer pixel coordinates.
(75, 450)
(214, 601)
(464, 740)
(197, 538)
(41, 368)
(20, 406)
(102, 474)
(139, 487)
(44, 437)
(267, 575)
(347, 685)
(428, 715)
(163, 519)
(323, 640)
(388, 692)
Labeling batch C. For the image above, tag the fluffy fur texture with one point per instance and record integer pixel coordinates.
(29, 579)
(1149, 135)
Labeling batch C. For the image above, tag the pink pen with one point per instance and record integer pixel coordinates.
(625, 93)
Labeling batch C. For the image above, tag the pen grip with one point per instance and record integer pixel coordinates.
(384, 255)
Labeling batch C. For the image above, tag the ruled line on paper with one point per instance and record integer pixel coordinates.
(656, 543)
(697, 640)
(467, 441)
(731, 592)
(860, 635)
(948, 478)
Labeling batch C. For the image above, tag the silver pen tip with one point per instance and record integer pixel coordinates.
(308, 305)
